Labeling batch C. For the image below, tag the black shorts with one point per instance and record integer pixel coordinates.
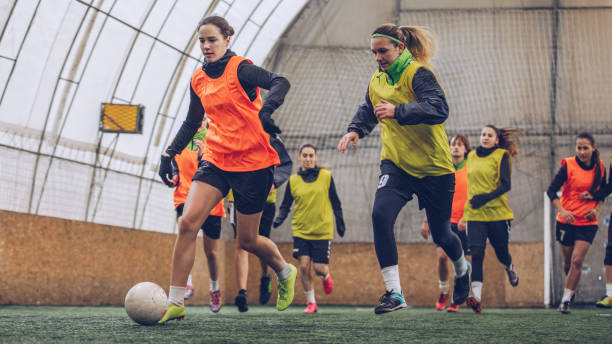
(463, 237)
(265, 224)
(608, 259)
(435, 193)
(250, 188)
(496, 231)
(318, 250)
(568, 234)
(211, 227)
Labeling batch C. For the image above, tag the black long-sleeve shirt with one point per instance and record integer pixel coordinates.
(250, 77)
(431, 107)
(606, 188)
(309, 176)
(505, 182)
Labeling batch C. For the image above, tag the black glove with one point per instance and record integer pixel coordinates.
(165, 171)
(268, 123)
(277, 222)
(478, 201)
(176, 176)
(340, 230)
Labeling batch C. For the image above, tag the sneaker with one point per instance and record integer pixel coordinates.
(311, 308)
(215, 301)
(453, 308)
(188, 292)
(605, 302)
(441, 303)
(475, 304)
(328, 284)
(461, 290)
(512, 276)
(173, 312)
(390, 302)
(286, 290)
(564, 307)
(241, 301)
(265, 290)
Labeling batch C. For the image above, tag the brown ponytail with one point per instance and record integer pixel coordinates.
(508, 138)
(419, 40)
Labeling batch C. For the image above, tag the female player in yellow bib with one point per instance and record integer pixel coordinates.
(405, 98)
(316, 206)
(487, 212)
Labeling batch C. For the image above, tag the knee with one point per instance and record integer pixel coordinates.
(442, 257)
(188, 226)
(577, 262)
(211, 256)
(477, 253)
(305, 269)
(246, 243)
(379, 216)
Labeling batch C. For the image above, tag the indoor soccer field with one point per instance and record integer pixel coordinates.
(333, 324)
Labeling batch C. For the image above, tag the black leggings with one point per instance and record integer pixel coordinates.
(395, 189)
(497, 232)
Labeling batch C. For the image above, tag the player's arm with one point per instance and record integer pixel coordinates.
(431, 106)
(337, 208)
(554, 186)
(283, 211)
(504, 185)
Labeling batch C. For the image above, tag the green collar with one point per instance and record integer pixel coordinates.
(395, 70)
(461, 164)
(201, 135)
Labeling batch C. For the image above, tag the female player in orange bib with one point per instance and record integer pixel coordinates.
(238, 155)
(580, 175)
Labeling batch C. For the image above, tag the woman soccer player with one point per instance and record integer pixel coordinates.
(487, 212)
(186, 167)
(606, 300)
(460, 147)
(316, 206)
(405, 98)
(577, 215)
(238, 155)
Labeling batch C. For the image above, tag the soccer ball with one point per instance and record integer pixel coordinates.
(146, 303)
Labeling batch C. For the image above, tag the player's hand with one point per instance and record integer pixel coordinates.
(461, 226)
(567, 216)
(165, 171)
(340, 230)
(591, 215)
(350, 138)
(268, 124)
(586, 196)
(384, 110)
(478, 201)
(425, 230)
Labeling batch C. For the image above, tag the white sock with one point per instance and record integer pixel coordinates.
(189, 282)
(284, 273)
(391, 278)
(443, 286)
(609, 289)
(477, 290)
(460, 266)
(509, 267)
(214, 285)
(567, 295)
(326, 276)
(310, 297)
(177, 295)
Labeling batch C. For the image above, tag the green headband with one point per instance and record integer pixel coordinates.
(387, 36)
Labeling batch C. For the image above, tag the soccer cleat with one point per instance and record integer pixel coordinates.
(605, 302)
(265, 290)
(215, 301)
(461, 290)
(453, 308)
(475, 304)
(564, 307)
(512, 276)
(311, 308)
(328, 284)
(173, 312)
(390, 302)
(241, 301)
(286, 290)
(441, 303)
(188, 292)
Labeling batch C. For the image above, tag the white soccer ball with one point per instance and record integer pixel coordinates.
(146, 303)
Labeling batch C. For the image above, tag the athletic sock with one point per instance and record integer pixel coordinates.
(391, 278)
(284, 273)
(567, 295)
(177, 295)
(460, 266)
(477, 289)
(310, 296)
(189, 282)
(214, 285)
(443, 286)
(509, 267)
(609, 289)
(326, 276)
